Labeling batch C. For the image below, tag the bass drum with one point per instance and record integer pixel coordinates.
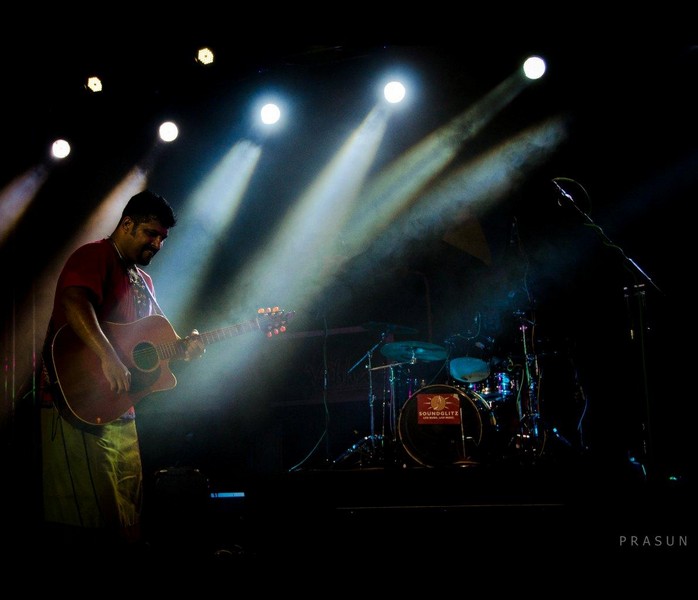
(440, 425)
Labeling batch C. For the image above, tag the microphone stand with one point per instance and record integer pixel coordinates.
(605, 238)
(638, 326)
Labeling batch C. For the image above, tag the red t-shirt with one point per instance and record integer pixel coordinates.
(114, 289)
(98, 267)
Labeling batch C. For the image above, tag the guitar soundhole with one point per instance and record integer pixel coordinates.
(145, 357)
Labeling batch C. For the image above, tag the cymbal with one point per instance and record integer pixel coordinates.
(388, 327)
(406, 351)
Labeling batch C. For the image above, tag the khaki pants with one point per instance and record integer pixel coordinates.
(92, 480)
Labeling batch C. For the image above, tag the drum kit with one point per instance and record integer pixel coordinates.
(440, 408)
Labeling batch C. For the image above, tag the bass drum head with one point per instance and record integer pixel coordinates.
(440, 425)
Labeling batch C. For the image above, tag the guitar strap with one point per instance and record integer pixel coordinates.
(140, 283)
(141, 288)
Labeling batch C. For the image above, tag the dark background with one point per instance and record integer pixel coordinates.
(628, 98)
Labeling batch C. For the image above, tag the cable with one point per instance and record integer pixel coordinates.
(324, 435)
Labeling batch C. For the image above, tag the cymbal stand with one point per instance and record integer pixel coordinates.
(530, 434)
(371, 439)
(534, 431)
(392, 408)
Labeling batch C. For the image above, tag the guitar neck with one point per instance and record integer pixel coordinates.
(176, 348)
(217, 335)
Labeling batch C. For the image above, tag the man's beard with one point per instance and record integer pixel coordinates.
(143, 259)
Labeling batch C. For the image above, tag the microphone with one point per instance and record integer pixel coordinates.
(562, 192)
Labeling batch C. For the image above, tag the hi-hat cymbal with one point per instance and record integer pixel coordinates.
(388, 327)
(406, 351)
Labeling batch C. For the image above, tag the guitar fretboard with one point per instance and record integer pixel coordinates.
(224, 333)
(176, 348)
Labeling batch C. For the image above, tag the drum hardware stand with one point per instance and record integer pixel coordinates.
(533, 431)
(370, 440)
(465, 439)
(387, 440)
(372, 443)
(529, 435)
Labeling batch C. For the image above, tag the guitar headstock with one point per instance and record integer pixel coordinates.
(273, 320)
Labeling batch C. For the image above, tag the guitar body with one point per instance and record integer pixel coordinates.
(86, 395)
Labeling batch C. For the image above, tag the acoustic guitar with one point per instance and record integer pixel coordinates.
(146, 347)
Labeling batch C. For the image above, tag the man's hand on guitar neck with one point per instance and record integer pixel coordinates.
(193, 346)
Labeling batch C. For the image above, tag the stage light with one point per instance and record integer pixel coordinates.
(168, 131)
(94, 84)
(270, 114)
(60, 149)
(534, 67)
(204, 56)
(394, 92)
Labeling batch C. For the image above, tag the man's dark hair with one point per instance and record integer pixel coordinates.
(147, 205)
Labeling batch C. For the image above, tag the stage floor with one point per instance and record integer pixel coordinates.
(452, 514)
(400, 524)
